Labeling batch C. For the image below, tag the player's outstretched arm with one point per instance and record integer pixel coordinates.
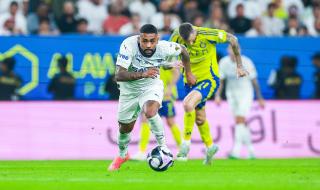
(122, 74)
(258, 92)
(191, 79)
(241, 72)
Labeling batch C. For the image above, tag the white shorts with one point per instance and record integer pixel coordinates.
(240, 106)
(129, 108)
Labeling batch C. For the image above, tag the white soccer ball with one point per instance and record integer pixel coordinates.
(160, 159)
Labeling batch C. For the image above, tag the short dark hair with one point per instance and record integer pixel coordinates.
(62, 62)
(271, 5)
(9, 62)
(82, 21)
(185, 30)
(149, 29)
(14, 3)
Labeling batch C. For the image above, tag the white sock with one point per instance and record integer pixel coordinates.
(123, 142)
(238, 139)
(247, 141)
(157, 129)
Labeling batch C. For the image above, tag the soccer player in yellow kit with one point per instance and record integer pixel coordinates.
(201, 46)
(169, 78)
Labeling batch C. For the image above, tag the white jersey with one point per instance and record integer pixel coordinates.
(237, 87)
(131, 58)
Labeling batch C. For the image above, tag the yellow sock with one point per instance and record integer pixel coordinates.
(176, 134)
(205, 134)
(144, 136)
(189, 119)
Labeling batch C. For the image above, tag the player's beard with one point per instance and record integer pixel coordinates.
(147, 52)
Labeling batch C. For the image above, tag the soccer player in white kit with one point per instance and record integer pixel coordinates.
(141, 89)
(240, 95)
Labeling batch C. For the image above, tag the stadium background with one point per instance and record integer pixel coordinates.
(44, 31)
(46, 144)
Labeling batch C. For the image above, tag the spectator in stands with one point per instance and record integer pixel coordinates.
(123, 6)
(115, 20)
(252, 8)
(5, 4)
(189, 10)
(8, 28)
(33, 19)
(240, 24)
(16, 18)
(165, 9)
(58, 7)
(293, 27)
(94, 11)
(166, 29)
(286, 81)
(293, 3)
(256, 29)
(132, 27)
(311, 21)
(44, 28)
(82, 26)
(316, 63)
(216, 19)
(271, 25)
(10, 82)
(111, 87)
(67, 23)
(62, 84)
(280, 10)
(25, 8)
(293, 11)
(144, 8)
(198, 19)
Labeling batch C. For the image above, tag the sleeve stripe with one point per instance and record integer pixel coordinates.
(208, 33)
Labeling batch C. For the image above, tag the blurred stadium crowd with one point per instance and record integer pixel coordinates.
(243, 17)
(124, 17)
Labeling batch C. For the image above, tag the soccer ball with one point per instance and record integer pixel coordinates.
(160, 159)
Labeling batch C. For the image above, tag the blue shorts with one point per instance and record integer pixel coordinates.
(167, 109)
(206, 87)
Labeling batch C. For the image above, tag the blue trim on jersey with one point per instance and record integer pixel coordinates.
(216, 79)
(167, 109)
(203, 87)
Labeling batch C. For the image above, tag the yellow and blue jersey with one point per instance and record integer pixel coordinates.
(166, 75)
(167, 109)
(203, 60)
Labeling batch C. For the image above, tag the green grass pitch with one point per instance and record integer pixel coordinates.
(224, 174)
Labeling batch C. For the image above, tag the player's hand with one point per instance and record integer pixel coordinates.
(261, 103)
(178, 64)
(191, 79)
(217, 100)
(241, 72)
(152, 72)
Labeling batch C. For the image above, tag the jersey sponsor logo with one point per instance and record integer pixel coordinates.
(123, 56)
(159, 60)
(136, 69)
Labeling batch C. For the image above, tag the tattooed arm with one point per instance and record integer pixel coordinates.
(241, 72)
(122, 74)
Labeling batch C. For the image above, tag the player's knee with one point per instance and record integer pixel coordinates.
(126, 128)
(187, 106)
(170, 122)
(200, 121)
(150, 113)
